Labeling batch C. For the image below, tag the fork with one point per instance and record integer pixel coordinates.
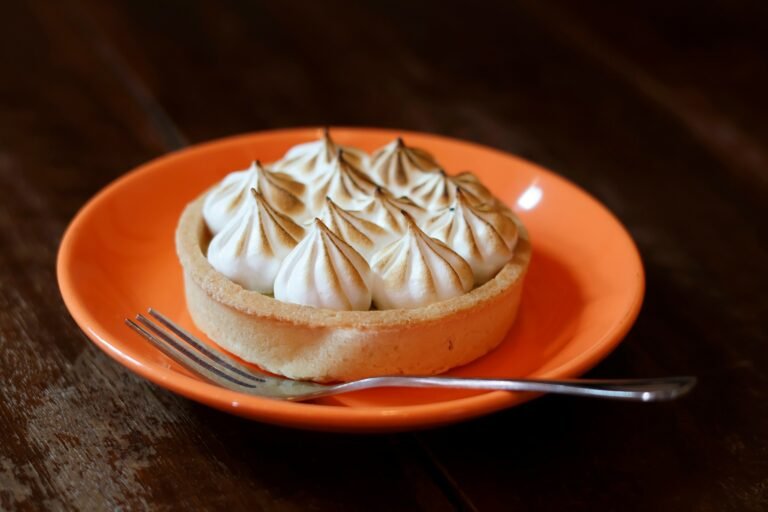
(215, 366)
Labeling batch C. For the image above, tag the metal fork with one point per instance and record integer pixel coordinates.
(218, 368)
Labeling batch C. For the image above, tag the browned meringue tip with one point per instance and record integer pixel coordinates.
(319, 224)
(381, 192)
(400, 143)
(260, 199)
(410, 221)
(256, 164)
(326, 132)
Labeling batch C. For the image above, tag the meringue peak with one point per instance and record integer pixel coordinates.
(306, 161)
(410, 222)
(227, 198)
(465, 199)
(438, 190)
(384, 209)
(417, 270)
(325, 272)
(473, 188)
(344, 182)
(252, 245)
(288, 226)
(317, 223)
(283, 193)
(481, 233)
(364, 236)
(398, 166)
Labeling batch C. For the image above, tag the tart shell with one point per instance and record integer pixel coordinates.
(303, 342)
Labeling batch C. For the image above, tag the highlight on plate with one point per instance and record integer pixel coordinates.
(382, 248)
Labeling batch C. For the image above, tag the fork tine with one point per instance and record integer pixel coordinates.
(211, 352)
(211, 370)
(218, 367)
(184, 356)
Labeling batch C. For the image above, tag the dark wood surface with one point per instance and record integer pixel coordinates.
(657, 108)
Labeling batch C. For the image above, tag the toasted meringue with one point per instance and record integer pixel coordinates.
(399, 167)
(364, 236)
(438, 190)
(325, 272)
(252, 245)
(343, 182)
(319, 323)
(482, 234)
(473, 188)
(418, 270)
(386, 210)
(310, 159)
(228, 197)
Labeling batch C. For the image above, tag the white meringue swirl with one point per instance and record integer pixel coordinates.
(386, 210)
(325, 272)
(364, 236)
(225, 200)
(343, 182)
(438, 190)
(252, 245)
(473, 188)
(417, 270)
(483, 235)
(306, 161)
(399, 167)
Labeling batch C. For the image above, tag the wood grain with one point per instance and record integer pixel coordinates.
(655, 111)
(80, 432)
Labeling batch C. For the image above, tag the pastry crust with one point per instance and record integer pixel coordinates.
(302, 342)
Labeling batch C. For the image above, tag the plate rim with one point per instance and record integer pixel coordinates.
(339, 417)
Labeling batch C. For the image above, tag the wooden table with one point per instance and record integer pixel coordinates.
(658, 110)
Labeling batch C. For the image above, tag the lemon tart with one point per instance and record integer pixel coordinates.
(330, 265)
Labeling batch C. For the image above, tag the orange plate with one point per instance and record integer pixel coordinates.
(583, 291)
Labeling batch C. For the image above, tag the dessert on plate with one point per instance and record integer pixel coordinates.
(331, 264)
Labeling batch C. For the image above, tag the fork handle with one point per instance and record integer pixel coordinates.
(643, 390)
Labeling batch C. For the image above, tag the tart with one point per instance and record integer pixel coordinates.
(331, 265)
